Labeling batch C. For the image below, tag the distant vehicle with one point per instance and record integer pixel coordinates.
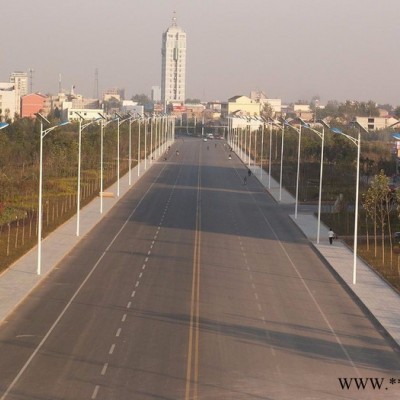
(210, 136)
(396, 236)
(205, 139)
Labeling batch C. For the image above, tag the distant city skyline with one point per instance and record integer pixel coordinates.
(292, 50)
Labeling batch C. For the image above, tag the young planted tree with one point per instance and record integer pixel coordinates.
(377, 202)
(369, 201)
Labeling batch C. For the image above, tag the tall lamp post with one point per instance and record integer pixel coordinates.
(131, 118)
(139, 151)
(43, 133)
(270, 154)
(120, 120)
(282, 128)
(78, 191)
(357, 142)
(262, 146)
(298, 166)
(249, 144)
(104, 123)
(322, 137)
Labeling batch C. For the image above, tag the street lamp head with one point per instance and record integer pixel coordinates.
(79, 115)
(42, 118)
(323, 123)
(62, 123)
(302, 122)
(360, 126)
(3, 125)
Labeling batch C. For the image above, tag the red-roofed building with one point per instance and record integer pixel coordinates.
(31, 104)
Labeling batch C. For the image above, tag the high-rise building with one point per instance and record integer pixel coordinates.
(156, 94)
(20, 81)
(173, 66)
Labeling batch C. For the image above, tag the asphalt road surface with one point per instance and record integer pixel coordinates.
(195, 286)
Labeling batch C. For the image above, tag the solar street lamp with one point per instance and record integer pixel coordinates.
(43, 133)
(104, 123)
(281, 126)
(357, 142)
(78, 192)
(322, 137)
(298, 166)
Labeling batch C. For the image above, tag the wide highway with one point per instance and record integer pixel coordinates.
(195, 286)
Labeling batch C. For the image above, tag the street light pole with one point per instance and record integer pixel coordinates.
(145, 143)
(151, 139)
(78, 191)
(262, 147)
(322, 137)
(270, 156)
(139, 151)
(249, 145)
(298, 167)
(357, 142)
(131, 120)
(282, 128)
(43, 133)
(102, 126)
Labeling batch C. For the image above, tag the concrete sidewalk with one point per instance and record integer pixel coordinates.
(21, 278)
(381, 299)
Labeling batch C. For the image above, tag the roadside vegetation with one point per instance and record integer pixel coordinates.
(379, 211)
(19, 177)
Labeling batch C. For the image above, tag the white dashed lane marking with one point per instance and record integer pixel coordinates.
(95, 391)
(112, 348)
(103, 371)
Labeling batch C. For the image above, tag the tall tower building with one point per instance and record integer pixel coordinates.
(20, 81)
(173, 66)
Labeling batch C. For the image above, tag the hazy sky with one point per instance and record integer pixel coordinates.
(290, 49)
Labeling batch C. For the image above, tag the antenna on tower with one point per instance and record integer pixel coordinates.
(59, 83)
(31, 80)
(96, 84)
(174, 19)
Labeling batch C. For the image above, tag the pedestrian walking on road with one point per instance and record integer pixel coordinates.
(331, 235)
(245, 180)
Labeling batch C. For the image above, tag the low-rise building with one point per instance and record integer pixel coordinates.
(132, 107)
(241, 105)
(89, 114)
(8, 101)
(376, 123)
(33, 103)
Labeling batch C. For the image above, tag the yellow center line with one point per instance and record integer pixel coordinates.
(192, 370)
